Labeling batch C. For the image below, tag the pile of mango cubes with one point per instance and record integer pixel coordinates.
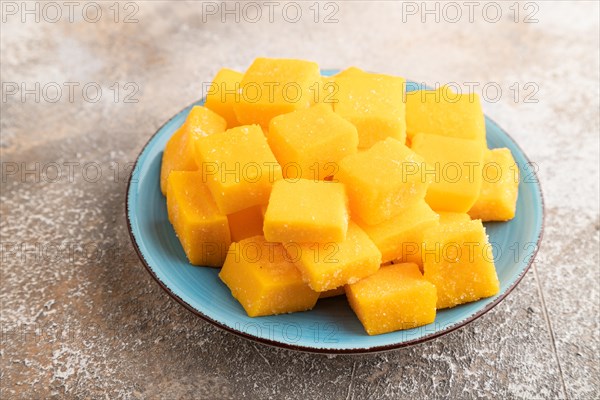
(303, 187)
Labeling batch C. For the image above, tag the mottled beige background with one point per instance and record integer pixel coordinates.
(81, 318)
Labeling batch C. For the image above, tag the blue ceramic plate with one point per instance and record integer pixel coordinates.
(331, 327)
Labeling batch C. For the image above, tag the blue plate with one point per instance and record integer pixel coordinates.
(331, 327)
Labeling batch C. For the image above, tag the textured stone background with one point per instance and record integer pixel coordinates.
(82, 318)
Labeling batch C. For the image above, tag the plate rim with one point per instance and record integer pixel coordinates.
(324, 350)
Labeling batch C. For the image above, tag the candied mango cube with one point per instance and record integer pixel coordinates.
(263, 279)
(400, 237)
(451, 217)
(382, 180)
(271, 87)
(332, 293)
(223, 93)
(458, 260)
(327, 266)
(306, 211)
(246, 223)
(201, 229)
(443, 112)
(498, 197)
(309, 143)
(374, 103)
(350, 71)
(180, 152)
(238, 167)
(455, 165)
(396, 297)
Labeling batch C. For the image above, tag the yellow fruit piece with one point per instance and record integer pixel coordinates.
(180, 152)
(246, 223)
(443, 112)
(223, 93)
(400, 237)
(238, 167)
(382, 180)
(264, 281)
(374, 103)
(458, 260)
(396, 297)
(455, 166)
(327, 266)
(498, 197)
(332, 293)
(271, 87)
(451, 217)
(306, 211)
(309, 143)
(201, 229)
(350, 71)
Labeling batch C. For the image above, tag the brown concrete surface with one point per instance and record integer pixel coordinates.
(81, 317)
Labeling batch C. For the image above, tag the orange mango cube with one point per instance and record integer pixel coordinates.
(332, 293)
(451, 217)
(223, 93)
(396, 297)
(264, 281)
(201, 229)
(246, 223)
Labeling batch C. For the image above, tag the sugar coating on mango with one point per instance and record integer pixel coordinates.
(223, 93)
(455, 166)
(458, 260)
(382, 180)
(180, 152)
(238, 166)
(271, 87)
(327, 266)
(400, 238)
(246, 223)
(374, 103)
(444, 112)
(306, 211)
(309, 143)
(263, 279)
(396, 297)
(202, 230)
(497, 200)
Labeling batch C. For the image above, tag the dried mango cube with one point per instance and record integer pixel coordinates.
(455, 166)
(382, 180)
(443, 112)
(201, 229)
(332, 293)
(374, 103)
(309, 143)
(451, 217)
(238, 167)
(223, 93)
(498, 197)
(350, 71)
(400, 237)
(246, 223)
(180, 152)
(396, 297)
(327, 266)
(306, 211)
(263, 279)
(271, 87)
(458, 260)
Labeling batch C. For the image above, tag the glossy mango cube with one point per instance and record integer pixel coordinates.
(374, 103)
(455, 166)
(497, 200)
(223, 93)
(382, 180)
(327, 266)
(246, 223)
(271, 87)
(400, 237)
(443, 112)
(309, 143)
(264, 281)
(180, 152)
(202, 230)
(238, 166)
(306, 211)
(458, 260)
(396, 297)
